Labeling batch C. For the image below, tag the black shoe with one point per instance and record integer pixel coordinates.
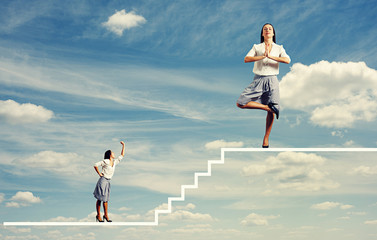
(274, 109)
(265, 146)
(97, 219)
(105, 218)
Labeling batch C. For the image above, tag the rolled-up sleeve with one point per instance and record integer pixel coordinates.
(283, 53)
(119, 159)
(252, 52)
(97, 164)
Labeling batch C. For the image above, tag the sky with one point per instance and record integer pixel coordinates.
(78, 77)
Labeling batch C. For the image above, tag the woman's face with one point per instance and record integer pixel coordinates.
(268, 31)
(112, 154)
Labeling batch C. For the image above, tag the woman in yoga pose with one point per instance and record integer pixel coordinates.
(102, 189)
(263, 92)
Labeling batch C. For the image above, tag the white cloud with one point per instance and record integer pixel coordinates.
(18, 230)
(183, 215)
(357, 213)
(325, 205)
(371, 222)
(254, 219)
(56, 234)
(25, 197)
(222, 144)
(349, 143)
(124, 209)
(22, 199)
(331, 205)
(365, 170)
(180, 213)
(16, 113)
(120, 21)
(62, 219)
(336, 94)
(56, 162)
(292, 170)
(339, 133)
(189, 206)
(193, 229)
(346, 206)
(12, 204)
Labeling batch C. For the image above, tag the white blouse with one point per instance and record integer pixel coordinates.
(266, 66)
(107, 169)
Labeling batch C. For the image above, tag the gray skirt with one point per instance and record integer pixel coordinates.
(263, 89)
(102, 189)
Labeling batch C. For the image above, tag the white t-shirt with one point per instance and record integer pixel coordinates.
(107, 169)
(266, 66)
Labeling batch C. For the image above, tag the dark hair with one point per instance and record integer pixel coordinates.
(107, 154)
(261, 34)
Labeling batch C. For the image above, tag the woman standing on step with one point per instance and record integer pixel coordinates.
(263, 92)
(102, 189)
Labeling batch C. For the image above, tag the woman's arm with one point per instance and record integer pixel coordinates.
(253, 59)
(123, 147)
(96, 168)
(280, 59)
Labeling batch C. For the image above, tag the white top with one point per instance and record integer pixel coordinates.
(266, 66)
(107, 169)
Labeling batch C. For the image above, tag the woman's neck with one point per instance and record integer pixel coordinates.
(268, 41)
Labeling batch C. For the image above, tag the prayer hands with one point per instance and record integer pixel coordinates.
(267, 50)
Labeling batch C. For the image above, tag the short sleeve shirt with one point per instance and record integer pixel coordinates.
(266, 66)
(107, 169)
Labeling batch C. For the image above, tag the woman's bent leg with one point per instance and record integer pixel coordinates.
(255, 105)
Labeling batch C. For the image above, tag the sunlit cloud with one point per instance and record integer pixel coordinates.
(23, 199)
(254, 219)
(365, 170)
(330, 205)
(121, 20)
(16, 113)
(335, 94)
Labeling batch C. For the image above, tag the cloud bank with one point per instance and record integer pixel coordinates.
(335, 94)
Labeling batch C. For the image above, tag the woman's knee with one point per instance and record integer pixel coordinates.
(240, 106)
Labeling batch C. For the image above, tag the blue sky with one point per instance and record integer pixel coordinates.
(77, 77)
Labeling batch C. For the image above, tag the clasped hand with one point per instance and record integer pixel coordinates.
(267, 50)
